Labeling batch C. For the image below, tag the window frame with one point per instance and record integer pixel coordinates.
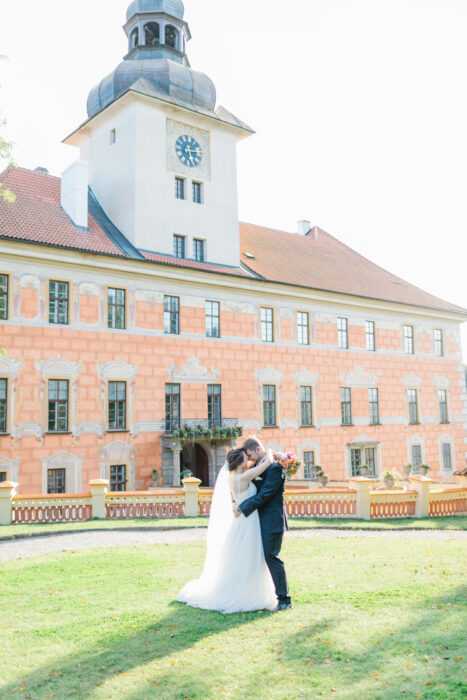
(6, 295)
(346, 403)
(302, 326)
(214, 405)
(438, 342)
(58, 402)
(3, 476)
(370, 336)
(170, 423)
(306, 402)
(6, 402)
(55, 280)
(409, 340)
(363, 451)
(267, 325)
(416, 467)
(179, 240)
(55, 470)
(125, 482)
(180, 185)
(196, 243)
(342, 333)
(169, 314)
(445, 469)
(270, 402)
(198, 187)
(443, 406)
(210, 323)
(116, 401)
(307, 466)
(415, 403)
(117, 306)
(372, 403)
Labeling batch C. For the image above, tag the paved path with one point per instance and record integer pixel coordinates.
(38, 546)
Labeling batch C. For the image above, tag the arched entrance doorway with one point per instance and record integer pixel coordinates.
(195, 458)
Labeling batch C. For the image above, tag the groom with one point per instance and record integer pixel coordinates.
(269, 502)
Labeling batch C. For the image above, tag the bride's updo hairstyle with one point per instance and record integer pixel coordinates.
(234, 458)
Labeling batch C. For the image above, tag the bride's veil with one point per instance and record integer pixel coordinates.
(220, 522)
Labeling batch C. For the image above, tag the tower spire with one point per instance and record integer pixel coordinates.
(156, 29)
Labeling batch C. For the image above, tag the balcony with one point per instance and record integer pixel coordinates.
(226, 429)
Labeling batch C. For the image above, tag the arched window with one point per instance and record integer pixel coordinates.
(171, 36)
(151, 34)
(134, 38)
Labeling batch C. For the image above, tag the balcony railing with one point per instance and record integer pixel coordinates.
(225, 429)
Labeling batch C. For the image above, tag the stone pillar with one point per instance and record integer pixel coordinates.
(421, 484)
(7, 491)
(176, 453)
(99, 488)
(191, 486)
(363, 488)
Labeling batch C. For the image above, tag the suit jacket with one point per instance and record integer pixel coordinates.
(269, 501)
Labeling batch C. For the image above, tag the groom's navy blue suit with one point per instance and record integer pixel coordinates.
(270, 504)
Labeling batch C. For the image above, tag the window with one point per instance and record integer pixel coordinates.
(416, 458)
(197, 192)
(58, 406)
(269, 405)
(118, 477)
(179, 188)
(198, 250)
(2, 476)
(172, 407)
(3, 405)
(55, 481)
(179, 247)
(171, 36)
(306, 405)
(172, 315)
(413, 406)
(113, 136)
(3, 297)
(447, 457)
(116, 302)
(151, 34)
(439, 342)
(117, 405)
(267, 325)
(370, 336)
(309, 465)
(409, 340)
(213, 325)
(303, 327)
(373, 398)
(343, 333)
(443, 405)
(346, 406)
(134, 38)
(360, 456)
(58, 302)
(214, 405)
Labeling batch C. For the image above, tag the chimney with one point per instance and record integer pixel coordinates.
(304, 227)
(74, 193)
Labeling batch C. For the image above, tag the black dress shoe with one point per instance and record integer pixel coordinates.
(283, 605)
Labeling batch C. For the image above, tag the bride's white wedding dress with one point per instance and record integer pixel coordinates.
(235, 577)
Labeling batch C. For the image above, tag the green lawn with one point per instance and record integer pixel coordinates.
(372, 620)
(449, 523)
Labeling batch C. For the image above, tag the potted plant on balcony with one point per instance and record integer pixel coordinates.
(363, 470)
(389, 480)
(424, 469)
(407, 469)
(186, 474)
(321, 476)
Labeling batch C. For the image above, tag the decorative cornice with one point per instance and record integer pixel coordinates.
(193, 372)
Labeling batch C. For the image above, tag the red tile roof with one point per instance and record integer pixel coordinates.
(319, 261)
(37, 216)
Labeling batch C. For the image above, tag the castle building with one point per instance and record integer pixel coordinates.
(145, 328)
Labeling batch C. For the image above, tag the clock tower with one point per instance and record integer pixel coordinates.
(161, 156)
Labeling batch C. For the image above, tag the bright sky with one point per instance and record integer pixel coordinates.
(360, 110)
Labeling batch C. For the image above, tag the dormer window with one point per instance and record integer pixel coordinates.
(134, 38)
(151, 34)
(171, 35)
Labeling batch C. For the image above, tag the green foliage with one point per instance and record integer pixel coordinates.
(198, 433)
(369, 621)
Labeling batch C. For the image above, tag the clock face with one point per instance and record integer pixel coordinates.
(189, 151)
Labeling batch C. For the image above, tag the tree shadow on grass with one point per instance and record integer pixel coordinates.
(308, 645)
(79, 674)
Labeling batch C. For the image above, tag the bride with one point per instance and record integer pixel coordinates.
(235, 577)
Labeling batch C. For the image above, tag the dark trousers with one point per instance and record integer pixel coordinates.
(272, 543)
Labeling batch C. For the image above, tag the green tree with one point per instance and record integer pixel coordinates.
(6, 154)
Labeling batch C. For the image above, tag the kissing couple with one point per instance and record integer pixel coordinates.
(243, 571)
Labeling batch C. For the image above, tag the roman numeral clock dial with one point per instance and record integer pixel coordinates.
(189, 151)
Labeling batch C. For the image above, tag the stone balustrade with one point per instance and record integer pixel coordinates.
(358, 499)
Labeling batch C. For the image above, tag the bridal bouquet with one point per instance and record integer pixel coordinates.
(290, 464)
